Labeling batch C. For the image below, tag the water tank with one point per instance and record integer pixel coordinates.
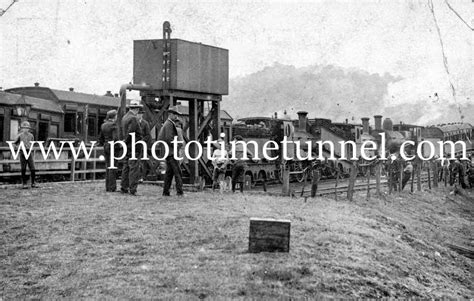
(387, 124)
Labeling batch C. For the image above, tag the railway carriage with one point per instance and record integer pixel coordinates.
(54, 115)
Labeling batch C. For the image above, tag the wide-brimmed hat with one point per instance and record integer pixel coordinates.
(135, 104)
(175, 110)
(111, 114)
(25, 125)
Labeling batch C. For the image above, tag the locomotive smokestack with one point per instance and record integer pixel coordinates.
(37, 84)
(71, 89)
(302, 120)
(378, 122)
(388, 124)
(365, 125)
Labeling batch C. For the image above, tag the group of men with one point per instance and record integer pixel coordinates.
(132, 166)
(459, 171)
(455, 171)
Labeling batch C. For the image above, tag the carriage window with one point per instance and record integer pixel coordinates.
(101, 120)
(14, 128)
(80, 118)
(91, 125)
(1, 127)
(43, 130)
(53, 131)
(70, 122)
(33, 128)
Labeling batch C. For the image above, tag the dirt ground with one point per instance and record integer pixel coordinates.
(76, 240)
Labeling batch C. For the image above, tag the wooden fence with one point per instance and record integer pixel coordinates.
(66, 166)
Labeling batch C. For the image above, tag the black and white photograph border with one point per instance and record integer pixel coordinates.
(382, 208)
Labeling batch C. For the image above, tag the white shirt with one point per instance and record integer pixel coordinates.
(220, 156)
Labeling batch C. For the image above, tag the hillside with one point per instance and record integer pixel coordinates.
(333, 92)
(76, 241)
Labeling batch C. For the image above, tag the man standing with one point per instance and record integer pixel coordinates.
(145, 165)
(131, 167)
(238, 169)
(167, 133)
(27, 138)
(220, 159)
(109, 132)
(407, 172)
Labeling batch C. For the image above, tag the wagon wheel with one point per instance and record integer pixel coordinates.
(283, 164)
(253, 182)
(298, 166)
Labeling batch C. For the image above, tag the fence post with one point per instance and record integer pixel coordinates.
(400, 176)
(378, 168)
(368, 184)
(352, 179)
(429, 174)
(445, 174)
(390, 177)
(286, 180)
(73, 169)
(94, 164)
(418, 175)
(314, 182)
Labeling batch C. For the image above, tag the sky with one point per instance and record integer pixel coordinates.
(88, 44)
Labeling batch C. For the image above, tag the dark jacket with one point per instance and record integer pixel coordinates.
(167, 133)
(131, 124)
(108, 132)
(146, 132)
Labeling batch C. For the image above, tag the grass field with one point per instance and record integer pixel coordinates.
(75, 240)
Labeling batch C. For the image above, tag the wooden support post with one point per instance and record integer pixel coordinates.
(304, 183)
(94, 164)
(435, 174)
(378, 172)
(390, 179)
(73, 169)
(216, 117)
(445, 175)
(368, 184)
(335, 186)
(352, 179)
(415, 167)
(84, 168)
(314, 182)
(286, 181)
(400, 176)
(429, 174)
(418, 176)
(269, 235)
(193, 130)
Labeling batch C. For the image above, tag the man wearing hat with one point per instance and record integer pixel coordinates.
(27, 138)
(167, 133)
(238, 169)
(109, 132)
(131, 168)
(145, 165)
